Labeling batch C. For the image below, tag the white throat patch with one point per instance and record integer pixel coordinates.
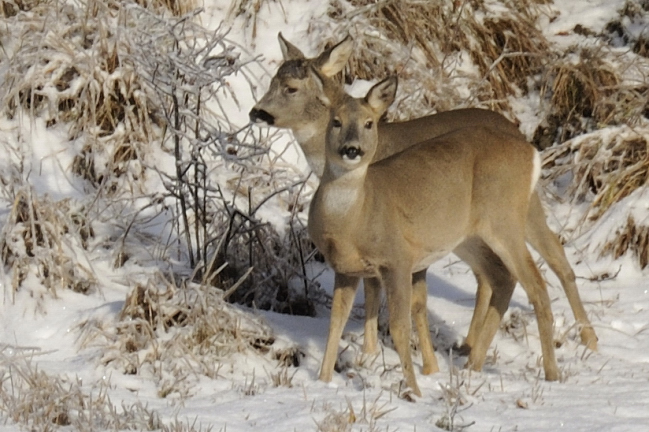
(305, 134)
(342, 193)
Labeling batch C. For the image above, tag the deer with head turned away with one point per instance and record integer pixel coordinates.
(393, 218)
(298, 99)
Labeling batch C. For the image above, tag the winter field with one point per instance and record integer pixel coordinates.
(156, 273)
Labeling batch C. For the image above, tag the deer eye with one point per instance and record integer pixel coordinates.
(369, 124)
(290, 90)
(336, 123)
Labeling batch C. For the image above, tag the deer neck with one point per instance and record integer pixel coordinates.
(338, 219)
(311, 138)
(311, 135)
(343, 192)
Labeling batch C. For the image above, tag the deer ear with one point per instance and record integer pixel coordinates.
(318, 81)
(333, 60)
(381, 96)
(289, 51)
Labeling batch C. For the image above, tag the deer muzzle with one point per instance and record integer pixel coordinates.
(261, 116)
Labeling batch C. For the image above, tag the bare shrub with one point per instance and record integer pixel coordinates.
(221, 222)
(508, 49)
(135, 87)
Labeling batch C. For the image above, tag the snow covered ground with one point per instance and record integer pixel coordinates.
(602, 391)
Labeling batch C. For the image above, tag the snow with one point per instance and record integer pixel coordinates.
(593, 14)
(601, 391)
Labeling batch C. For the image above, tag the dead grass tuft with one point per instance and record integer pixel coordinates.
(46, 239)
(178, 333)
(343, 419)
(80, 74)
(176, 7)
(335, 421)
(249, 10)
(508, 51)
(435, 37)
(515, 325)
(11, 8)
(622, 30)
(602, 169)
(38, 401)
(581, 85)
(605, 167)
(632, 238)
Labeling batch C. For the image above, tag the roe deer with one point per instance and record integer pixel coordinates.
(396, 216)
(297, 99)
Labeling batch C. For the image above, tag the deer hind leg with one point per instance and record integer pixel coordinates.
(547, 244)
(398, 286)
(491, 274)
(344, 293)
(372, 289)
(510, 246)
(482, 301)
(420, 315)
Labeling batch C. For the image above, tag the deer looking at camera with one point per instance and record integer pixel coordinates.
(297, 99)
(393, 218)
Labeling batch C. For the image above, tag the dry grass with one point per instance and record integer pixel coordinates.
(249, 9)
(454, 396)
(175, 7)
(606, 167)
(11, 8)
(45, 240)
(36, 400)
(424, 43)
(581, 85)
(78, 74)
(632, 238)
(178, 333)
(621, 29)
(588, 88)
(343, 419)
(594, 84)
(496, 51)
(116, 77)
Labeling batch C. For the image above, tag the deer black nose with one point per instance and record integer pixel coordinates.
(351, 153)
(259, 115)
